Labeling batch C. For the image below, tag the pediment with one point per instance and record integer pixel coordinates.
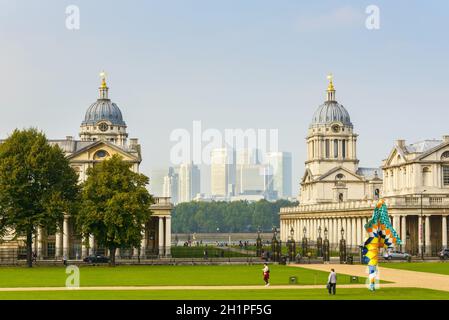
(101, 150)
(347, 175)
(396, 157)
(436, 153)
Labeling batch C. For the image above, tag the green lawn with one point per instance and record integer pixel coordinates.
(432, 267)
(162, 275)
(295, 294)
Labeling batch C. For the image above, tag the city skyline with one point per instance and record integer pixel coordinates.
(241, 65)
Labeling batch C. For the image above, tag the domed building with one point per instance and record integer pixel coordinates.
(332, 179)
(332, 173)
(103, 133)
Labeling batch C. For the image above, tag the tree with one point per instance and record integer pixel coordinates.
(114, 205)
(37, 185)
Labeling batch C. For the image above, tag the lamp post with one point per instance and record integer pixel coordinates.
(319, 244)
(275, 245)
(258, 243)
(304, 242)
(342, 246)
(291, 245)
(326, 255)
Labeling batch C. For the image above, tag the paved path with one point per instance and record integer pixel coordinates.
(401, 278)
(132, 288)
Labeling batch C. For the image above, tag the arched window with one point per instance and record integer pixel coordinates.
(376, 194)
(340, 197)
(339, 176)
(327, 148)
(343, 149)
(426, 177)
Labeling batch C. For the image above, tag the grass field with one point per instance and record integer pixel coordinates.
(432, 267)
(162, 275)
(292, 294)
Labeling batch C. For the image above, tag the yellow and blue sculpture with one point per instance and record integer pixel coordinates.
(381, 234)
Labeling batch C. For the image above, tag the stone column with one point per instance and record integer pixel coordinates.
(359, 231)
(58, 243)
(444, 231)
(65, 237)
(40, 243)
(91, 244)
(335, 231)
(420, 235)
(161, 236)
(143, 243)
(348, 232)
(404, 231)
(396, 224)
(117, 253)
(167, 236)
(427, 236)
(84, 249)
(354, 232)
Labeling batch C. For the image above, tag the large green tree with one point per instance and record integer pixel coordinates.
(37, 185)
(114, 204)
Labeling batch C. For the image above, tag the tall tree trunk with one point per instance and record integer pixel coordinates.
(112, 256)
(29, 245)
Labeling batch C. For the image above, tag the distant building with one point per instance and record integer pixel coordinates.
(189, 180)
(222, 172)
(170, 187)
(280, 164)
(157, 182)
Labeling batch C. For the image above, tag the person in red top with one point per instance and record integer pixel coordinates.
(266, 274)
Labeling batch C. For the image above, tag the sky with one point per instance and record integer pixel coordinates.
(251, 64)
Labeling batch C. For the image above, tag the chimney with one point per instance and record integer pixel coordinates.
(400, 143)
(446, 138)
(69, 138)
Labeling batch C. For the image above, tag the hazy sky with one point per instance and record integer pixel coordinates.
(231, 64)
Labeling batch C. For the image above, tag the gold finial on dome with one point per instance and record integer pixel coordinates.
(330, 77)
(330, 88)
(104, 87)
(103, 79)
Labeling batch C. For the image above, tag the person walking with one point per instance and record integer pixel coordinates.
(266, 274)
(332, 282)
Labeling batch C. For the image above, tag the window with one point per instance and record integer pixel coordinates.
(340, 197)
(426, 176)
(335, 148)
(339, 176)
(376, 194)
(446, 176)
(445, 155)
(343, 148)
(327, 148)
(100, 154)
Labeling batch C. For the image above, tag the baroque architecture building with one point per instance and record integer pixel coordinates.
(103, 133)
(338, 195)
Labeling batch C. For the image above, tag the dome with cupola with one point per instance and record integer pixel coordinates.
(331, 111)
(103, 109)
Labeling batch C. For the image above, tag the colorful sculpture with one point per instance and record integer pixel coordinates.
(380, 235)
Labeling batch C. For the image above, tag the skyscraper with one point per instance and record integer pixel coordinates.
(222, 172)
(171, 185)
(280, 164)
(189, 182)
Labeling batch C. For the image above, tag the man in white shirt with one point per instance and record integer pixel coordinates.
(332, 282)
(266, 274)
